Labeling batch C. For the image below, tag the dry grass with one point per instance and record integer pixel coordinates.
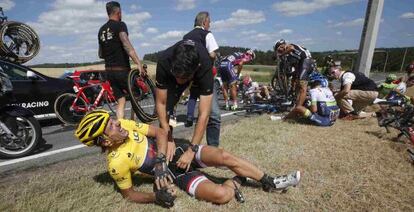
(352, 166)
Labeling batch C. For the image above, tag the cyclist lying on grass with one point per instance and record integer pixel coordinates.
(253, 90)
(132, 147)
(323, 110)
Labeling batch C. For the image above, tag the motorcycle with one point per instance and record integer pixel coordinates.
(20, 132)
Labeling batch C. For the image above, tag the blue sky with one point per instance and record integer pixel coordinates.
(68, 28)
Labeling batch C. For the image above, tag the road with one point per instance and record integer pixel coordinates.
(61, 144)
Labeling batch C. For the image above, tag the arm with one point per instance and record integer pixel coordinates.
(314, 108)
(240, 67)
(343, 92)
(161, 107)
(203, 116)
(161, 138)
(123, 36)
(138, 197)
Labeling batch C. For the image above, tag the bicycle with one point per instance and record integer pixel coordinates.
(397, 113)
(96, 92)
(281, 81)
(71, 107)
(18, 42)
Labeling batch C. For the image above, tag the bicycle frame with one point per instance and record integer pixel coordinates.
(80, 93)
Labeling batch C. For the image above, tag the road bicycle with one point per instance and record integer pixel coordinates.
(92, 90)
(396, 112)
(281, 81)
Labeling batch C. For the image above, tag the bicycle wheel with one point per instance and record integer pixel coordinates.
(64, 110)
(142, 94)
(280, 84)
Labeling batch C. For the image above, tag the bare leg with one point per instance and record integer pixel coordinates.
(225, 94)
(216, 193)
(212, 156)
(233, 92)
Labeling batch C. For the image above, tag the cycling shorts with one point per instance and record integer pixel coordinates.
(187, 181)
(304, 69)
(228, 73)
(119, 82)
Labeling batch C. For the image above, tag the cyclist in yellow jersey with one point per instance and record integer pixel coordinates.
(130, 149)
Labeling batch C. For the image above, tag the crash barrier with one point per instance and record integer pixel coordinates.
(18, 41)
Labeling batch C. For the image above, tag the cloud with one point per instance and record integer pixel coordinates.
(408, 15)
(185, 5)
(171, 35)
(302, 7)
(249, 32)
(351, 23)
(213, 1)
(66, 15)
(145, 44)
(7, 4)
(285, 31)
(239, 18)
(339, 32)
(151, 30)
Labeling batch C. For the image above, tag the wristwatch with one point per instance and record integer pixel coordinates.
(194, 148)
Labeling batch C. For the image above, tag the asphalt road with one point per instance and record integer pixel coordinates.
(60, 143)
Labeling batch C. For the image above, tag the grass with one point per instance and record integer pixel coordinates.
(352, 166)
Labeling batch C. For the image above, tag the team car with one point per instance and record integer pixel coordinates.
(33, 90)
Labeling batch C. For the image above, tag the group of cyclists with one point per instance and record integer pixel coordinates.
(133, 147)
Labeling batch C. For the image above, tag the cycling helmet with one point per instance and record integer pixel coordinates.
(92, 126)
(251, 53)
(317, 77)
(390, 78)
(410, 68)
(278, 43)
(247, 80)
(144, 66)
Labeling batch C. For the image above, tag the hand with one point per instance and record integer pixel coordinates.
(170, 151)
(185, 160)
(166, 196)
(162, 175)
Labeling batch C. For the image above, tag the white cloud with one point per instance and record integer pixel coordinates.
(7, 4)
(134, 7)
(152, 30)
(285, 31)
(249, 32)
(351, 23)
(185, 5)
(73, 17)
(302, 7)
(239, 18)
(145, 44)
(171, 35)
(339, 33)
(408, 15)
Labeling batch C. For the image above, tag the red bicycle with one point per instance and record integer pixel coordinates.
(90, 92)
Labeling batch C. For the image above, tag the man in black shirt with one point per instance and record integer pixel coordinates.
(184, 63)
(116, 49)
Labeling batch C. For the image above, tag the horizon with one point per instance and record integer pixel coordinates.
(68, 28)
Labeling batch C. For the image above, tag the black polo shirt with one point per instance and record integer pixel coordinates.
(203, 78)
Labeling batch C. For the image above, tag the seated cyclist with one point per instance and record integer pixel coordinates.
(253, 90)
(300, 59)
(323, 110)
(131, 148)
(230, 68)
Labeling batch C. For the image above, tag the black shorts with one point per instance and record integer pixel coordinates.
(304, 69)
(186, 181)
(119, 82)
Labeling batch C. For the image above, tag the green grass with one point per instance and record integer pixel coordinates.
(351, 166)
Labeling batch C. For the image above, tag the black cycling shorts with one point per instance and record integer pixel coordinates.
(305, 68)
(119, 82)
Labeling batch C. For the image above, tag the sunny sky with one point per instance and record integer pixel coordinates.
(68, 28)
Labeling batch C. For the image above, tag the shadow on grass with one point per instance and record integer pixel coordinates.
(106, 179)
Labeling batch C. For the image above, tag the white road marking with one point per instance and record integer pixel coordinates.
(32, 157)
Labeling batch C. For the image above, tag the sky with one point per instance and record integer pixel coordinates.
(68, 28)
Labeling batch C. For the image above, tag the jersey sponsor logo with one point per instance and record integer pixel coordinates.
(139, 125)
(137, 137)
(114, 172)
(33, 104)
(114, 154)
(120, 179)
(137, 159)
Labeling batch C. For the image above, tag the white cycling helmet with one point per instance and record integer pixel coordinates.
(251, 52)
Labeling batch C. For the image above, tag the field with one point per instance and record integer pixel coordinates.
(352, 166)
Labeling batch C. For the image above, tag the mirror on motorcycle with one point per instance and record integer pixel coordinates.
(31, 75)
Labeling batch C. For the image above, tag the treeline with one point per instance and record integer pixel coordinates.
(64, 65)
(390, 58)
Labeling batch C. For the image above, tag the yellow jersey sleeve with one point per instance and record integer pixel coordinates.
(121, 175)
(140, 127)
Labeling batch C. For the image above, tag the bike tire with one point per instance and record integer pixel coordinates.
(25, 125)
(12, 32)
(63, 111)
(143, 104)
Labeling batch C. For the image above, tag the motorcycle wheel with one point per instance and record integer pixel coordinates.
(28, 133)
